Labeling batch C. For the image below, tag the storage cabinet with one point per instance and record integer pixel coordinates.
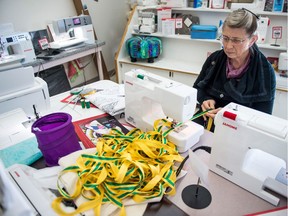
(183, 57)
(125, 67)
(280, 104)
(186, 78)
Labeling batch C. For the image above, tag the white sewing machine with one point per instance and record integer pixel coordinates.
(16, 47)
(149, 97)
(146, 22)
(23, 194)
(20, 89)
(250, 149)
(71, 31)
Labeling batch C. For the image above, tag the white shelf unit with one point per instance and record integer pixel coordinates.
(183, 57)
(210, 10)
(213, 16)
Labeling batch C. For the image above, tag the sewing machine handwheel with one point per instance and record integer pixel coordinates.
(201, 201)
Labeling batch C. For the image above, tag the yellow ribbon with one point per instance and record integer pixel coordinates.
(209, 124)
(138, 165)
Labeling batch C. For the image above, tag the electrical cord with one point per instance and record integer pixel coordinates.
(178, 171)
(40, 65)
(89, 61)
(206, 148)
(83, 67)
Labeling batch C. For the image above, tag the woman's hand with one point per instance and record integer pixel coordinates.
(209, 104)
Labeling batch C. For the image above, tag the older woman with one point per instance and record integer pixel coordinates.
(239, 73)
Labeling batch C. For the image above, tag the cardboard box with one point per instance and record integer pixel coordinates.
(161, 14)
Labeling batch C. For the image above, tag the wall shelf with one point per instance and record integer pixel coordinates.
(210, 10)
(187, 37)
(166, 64)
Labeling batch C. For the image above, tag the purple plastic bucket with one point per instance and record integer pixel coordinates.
(56, 136)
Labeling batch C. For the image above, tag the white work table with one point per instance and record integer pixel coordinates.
(69, 55)
(76, 112)
(227, 198)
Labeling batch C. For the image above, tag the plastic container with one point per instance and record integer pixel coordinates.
(56, 136)
(143, 48)
(203, 32)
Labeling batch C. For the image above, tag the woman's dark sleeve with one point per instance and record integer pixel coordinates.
(267, 106)
(201, 93)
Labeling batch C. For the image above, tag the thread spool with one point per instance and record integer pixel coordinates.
(87, 103)
(82, 101)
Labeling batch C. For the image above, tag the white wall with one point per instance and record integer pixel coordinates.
(31, 15)
(109, 18)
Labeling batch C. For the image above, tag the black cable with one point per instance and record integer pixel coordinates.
(93, 55)
(206, 148)
(39, 67)
(35, 112)
(178, 171)
(83, 67)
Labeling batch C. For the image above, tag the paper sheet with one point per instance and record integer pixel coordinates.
(109, 97)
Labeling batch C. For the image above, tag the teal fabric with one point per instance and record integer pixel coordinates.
(144, 47)
(25, 152)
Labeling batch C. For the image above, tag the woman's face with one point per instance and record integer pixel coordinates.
(236, 42)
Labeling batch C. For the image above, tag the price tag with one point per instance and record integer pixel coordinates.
(178, 23)
(43, 43)
(277, 32)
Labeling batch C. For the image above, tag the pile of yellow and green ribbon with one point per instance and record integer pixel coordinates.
(138, 165)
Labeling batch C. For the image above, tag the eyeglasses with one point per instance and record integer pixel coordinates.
(236, 41)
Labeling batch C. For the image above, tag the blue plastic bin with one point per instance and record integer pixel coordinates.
(203, 32)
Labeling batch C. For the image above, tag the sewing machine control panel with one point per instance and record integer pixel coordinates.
(14, 38)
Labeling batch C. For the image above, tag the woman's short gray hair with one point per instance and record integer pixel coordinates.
(242, 18)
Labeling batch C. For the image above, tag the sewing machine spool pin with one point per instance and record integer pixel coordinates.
(196, 196)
